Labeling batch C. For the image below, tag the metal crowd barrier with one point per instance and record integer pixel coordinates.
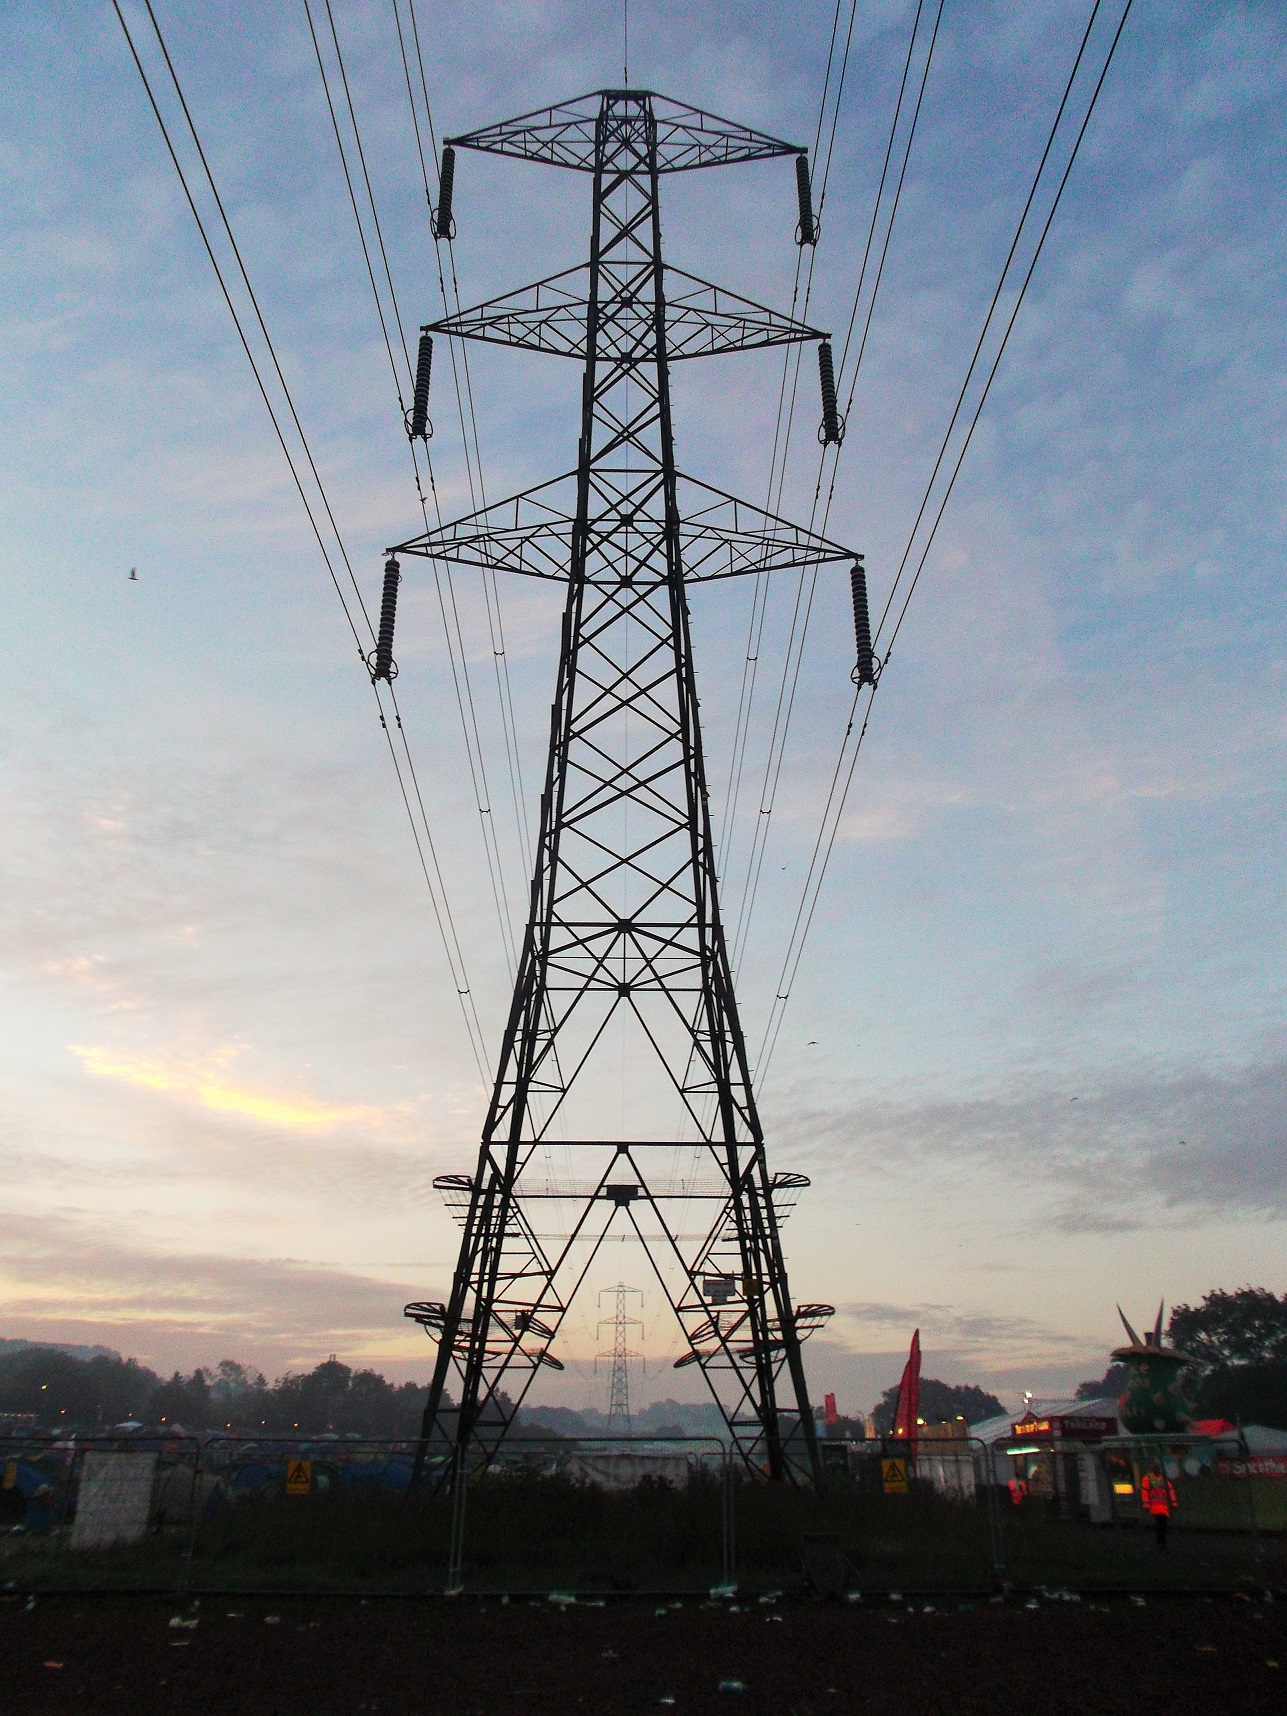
(180, 1512)
(161, 1499)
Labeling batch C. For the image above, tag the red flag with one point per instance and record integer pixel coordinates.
(909, 1396)
(829, 1414)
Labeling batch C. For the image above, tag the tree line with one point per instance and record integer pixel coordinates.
(1237, 1340)
(61, 1390)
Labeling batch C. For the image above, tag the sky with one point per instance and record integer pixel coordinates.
(1033, 1061)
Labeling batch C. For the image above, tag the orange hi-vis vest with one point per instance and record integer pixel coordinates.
(1157, 1495)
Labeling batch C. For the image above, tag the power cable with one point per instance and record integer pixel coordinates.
(880, 195)
(996, 296)
(443, 572)
(348, 180)
(871, 306)
(366, 179)
(760, 587)
(1005, 338)
(777, 475)
(495, 867)
(806, 584)
(834, 811)
(425, 850)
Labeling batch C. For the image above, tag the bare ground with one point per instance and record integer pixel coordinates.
(337, 1656)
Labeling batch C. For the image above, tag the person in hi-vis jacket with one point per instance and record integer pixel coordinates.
(1157, 1496)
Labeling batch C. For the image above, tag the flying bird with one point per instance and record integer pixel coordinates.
(134, 574)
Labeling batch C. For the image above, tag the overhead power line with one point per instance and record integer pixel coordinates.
(777, 477)
(449, 614)
(312, 503)
(464, 391)
(933, 505)
(802, 612)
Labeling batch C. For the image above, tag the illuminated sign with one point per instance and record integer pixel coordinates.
(1258, 1466)
(1068, 1426)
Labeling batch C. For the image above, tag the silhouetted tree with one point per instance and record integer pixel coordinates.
(1238, 1341)
(1111, 1386)
(182, 1402)
(74, 1393)
(332, 1397)
(941, 1403)
(1248, 1326)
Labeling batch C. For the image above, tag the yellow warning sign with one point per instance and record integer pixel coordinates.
(299, 1477)
(893, 1475)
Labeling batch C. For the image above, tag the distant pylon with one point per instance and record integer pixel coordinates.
(619, 1394)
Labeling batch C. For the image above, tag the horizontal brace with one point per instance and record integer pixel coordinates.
(623, 1145)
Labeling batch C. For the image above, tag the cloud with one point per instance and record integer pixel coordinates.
(62, 1280)
(964, 1333)
(205, 1085)
(1182, 1145)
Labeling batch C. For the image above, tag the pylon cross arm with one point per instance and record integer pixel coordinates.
(564, 135)
(702, 319)
(530, 533)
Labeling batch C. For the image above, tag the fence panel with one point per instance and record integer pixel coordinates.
(100, 1511)
(905, 1524)
(594, 1514)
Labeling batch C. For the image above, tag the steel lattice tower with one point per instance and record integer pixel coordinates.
(624, 922)
(620, 1322)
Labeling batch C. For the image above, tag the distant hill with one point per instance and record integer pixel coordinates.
(14, 1346)
(659, 1418)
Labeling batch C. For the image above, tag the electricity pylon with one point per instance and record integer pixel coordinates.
(621, 1323)
(624, 922)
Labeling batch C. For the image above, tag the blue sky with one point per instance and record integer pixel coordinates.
(1034, 1057)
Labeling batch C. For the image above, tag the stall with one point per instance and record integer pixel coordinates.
(1054, 1460)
